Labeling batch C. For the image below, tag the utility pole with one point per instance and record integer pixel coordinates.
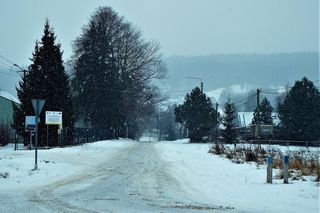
(201, 84)
(258, 117)
(24, 79)
(217, 123)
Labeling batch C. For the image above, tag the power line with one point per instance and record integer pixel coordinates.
(9, 74)
(3, 67)
(176, 91)
(245, 100)
(249, 99)
(4, 58)
(271, 93)
(7, 68)
(4, 64)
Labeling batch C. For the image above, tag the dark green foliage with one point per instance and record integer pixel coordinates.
(5, 134)
(47, 80)
(300, 112)
(265, 113)
(97, 78)
(197, 114)
(113, 68)
(229, 132)
(168, 125)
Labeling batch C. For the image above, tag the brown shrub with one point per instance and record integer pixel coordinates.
(277, 163)
(296, 163)
(250, 155)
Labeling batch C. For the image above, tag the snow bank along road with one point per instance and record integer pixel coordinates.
(122, 176)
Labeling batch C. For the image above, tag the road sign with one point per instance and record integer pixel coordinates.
(37, 105)
(30, 124)
(53, 118)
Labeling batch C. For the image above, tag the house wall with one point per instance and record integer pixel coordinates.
(6, 111)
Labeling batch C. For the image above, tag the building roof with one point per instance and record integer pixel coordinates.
(9, 96)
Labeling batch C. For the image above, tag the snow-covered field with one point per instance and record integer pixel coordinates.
(217, 180)
(127, 176)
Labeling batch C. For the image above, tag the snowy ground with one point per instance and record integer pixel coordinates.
(54, 164)
(128, 176)
(218, 180)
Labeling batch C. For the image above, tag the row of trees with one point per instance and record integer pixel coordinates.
(298, 110)
(110, 83)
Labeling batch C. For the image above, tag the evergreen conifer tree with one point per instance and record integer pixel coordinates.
(300, 112)
(197, 114)
(167, 124)
(265, 113)
(229, 132)
(47, 80)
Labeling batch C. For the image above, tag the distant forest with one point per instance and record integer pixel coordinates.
(259, 70)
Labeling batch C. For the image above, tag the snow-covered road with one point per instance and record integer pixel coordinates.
(134, 178)
(128, 176)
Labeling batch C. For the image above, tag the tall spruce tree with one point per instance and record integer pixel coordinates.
(47, 80)
(300, 112)
(197, 114)
(113, 68)
(265, 113)
(229, 132)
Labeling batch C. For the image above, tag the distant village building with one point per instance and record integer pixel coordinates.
(244, 119)
(246, 130)
(6, 107)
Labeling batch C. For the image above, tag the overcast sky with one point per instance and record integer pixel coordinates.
(182, 27)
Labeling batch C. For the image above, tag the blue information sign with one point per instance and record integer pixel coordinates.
(30, 123)
(270, 160)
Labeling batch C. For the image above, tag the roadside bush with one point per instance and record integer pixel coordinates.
(302, 162)
(217, 149)
(250, 155)
(4, 134)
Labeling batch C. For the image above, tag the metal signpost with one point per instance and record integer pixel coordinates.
(30, 126)
(37, 107)
(286, 169)
(269, 169)
(54, 118)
